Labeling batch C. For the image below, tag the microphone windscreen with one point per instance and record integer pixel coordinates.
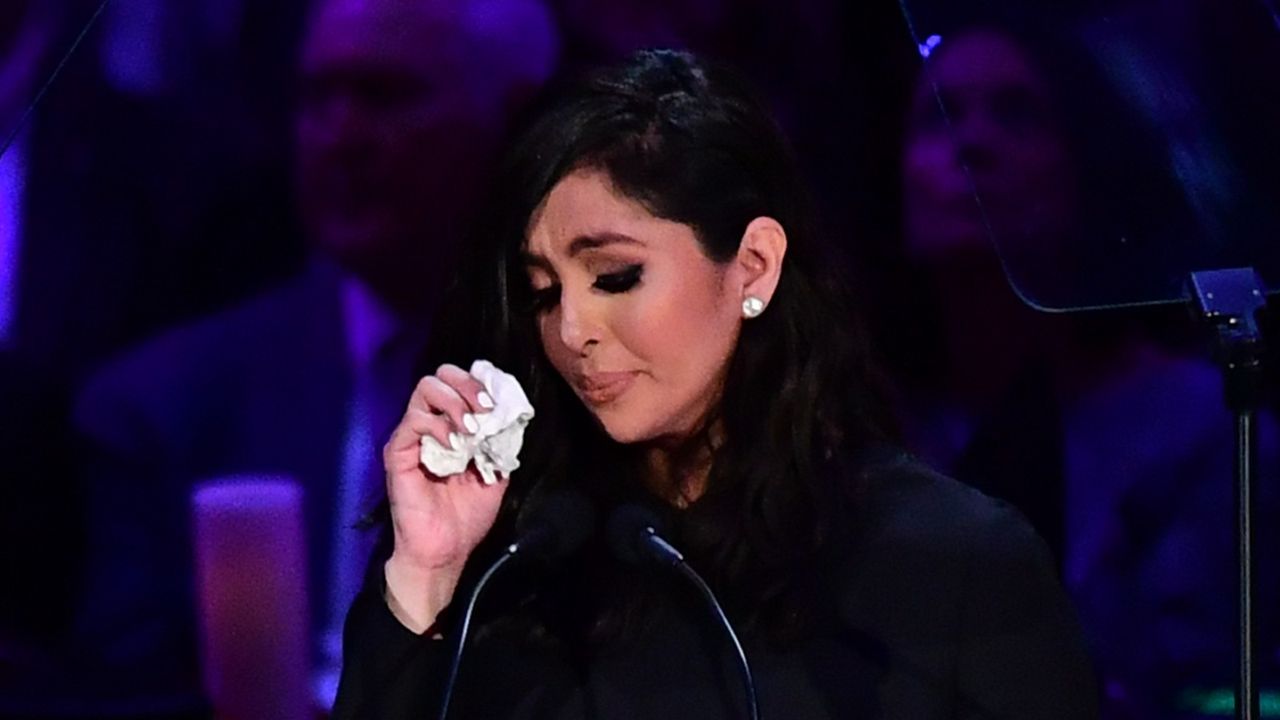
(557, 525)
(628, 527)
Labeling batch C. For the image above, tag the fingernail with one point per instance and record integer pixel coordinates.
(469, 422)
(484, 400)
(455, 441)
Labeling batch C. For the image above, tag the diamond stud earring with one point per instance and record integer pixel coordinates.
(752, 306)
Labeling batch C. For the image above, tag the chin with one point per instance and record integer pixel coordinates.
(629, 430)
(624, 434)
(624, 430)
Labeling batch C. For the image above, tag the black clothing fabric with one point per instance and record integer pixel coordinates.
(1021, 439)
(944, 604)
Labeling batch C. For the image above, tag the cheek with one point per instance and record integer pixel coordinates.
(1041, 179)
(1038, 158)
(685, 333)
(930, 169)
(549, 333)
(651, 331)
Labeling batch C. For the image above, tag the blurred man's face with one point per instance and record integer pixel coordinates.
(1005, 132)
(393, 134)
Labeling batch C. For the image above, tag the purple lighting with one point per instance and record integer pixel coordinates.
(929, 45)
(11, 185)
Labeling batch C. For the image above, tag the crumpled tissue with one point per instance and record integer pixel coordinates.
(496, 445)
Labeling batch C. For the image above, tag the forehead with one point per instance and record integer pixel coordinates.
(414, 35)
(981, 60)
(585, 204)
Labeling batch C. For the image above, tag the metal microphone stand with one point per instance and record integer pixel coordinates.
(1227, 301)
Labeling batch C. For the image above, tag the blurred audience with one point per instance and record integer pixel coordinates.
(401, 109)
(1116, 445)
(26, 41)
(191, 156)
(103, 212)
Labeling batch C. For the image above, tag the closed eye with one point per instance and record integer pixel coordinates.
(621, 281)
(545, 298)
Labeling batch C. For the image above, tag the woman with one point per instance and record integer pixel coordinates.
(654, 279)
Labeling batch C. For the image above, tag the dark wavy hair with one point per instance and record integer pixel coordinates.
(691, 144)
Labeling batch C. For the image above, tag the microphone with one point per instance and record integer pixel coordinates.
(635, 538)
(556, 527)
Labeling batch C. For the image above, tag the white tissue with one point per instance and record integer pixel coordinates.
(496, 445)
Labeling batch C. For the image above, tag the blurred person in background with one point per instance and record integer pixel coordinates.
(99, 222)
(402, 105)
(1117, 446)
(26, 40)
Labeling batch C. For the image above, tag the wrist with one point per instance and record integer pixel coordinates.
(416, 595)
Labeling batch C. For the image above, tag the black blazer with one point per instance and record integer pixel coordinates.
(946, 606)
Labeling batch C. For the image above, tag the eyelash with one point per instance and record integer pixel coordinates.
(619, 282)
(612, 283)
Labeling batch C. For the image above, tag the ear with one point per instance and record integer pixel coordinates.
(759, 260)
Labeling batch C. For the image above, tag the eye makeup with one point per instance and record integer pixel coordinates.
(613, 283)
(621, 281)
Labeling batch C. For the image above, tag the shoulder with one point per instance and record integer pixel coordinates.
(905, 503)
(959, 588)
(165, 374)
(923, 548)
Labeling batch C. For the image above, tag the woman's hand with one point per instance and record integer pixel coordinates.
(438, 521)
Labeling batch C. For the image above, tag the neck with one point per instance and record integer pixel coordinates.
(677, 470)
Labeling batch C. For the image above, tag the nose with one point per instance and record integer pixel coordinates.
(579, 331)
(975, 139)
(333, 121)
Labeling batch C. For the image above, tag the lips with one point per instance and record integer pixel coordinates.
(603, 388)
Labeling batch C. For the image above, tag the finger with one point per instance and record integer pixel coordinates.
(471, 389)
(416, 424)
(471, 477)
(436, 395)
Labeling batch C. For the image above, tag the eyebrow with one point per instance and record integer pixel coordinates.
(591, 242)
(581, 244)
